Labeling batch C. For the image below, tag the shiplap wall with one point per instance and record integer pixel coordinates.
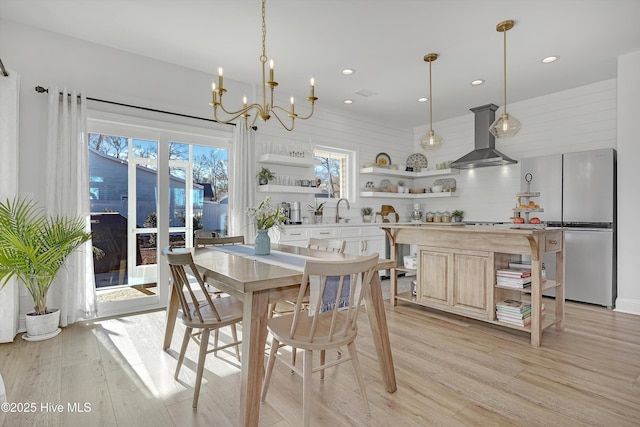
(344, 132)
(579, 119)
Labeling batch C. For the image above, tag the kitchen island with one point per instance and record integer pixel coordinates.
(457, 264)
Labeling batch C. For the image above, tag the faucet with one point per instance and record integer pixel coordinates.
(338, 209)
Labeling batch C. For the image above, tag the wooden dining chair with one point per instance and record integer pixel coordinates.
(315, 330)
(204, 240)
(328, 245)
(200, 317)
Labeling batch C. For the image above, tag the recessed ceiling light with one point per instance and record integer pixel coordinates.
(348, 71)
(550, 59)
(477, 82)
(348, 101)
(423, 99)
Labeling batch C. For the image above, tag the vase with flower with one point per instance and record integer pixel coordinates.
(266, 216)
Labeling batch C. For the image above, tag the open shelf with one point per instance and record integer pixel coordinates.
(279, 159)
(286, 189)
(405, 174)
(549, 284)
(386, 194)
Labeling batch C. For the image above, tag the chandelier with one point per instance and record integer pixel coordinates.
(431, 141)
(267, 108)
(505, 125)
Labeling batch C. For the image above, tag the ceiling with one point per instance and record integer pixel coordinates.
(384, 41)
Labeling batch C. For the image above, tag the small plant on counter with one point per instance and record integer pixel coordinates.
(317, 208)
(366, 211)
(265, 176)
(457, 215)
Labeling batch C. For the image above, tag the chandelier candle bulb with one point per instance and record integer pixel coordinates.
(271, 71)
(220, 78)
(313, 82)
(213, 93)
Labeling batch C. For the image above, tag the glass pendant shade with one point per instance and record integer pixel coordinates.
(431, 141)
(505, 126)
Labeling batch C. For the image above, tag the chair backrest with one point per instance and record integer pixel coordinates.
(205, 233)
(329, 245)
(329, 278)
(211, 241)
(180, 264)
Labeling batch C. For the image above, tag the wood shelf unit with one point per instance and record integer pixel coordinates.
(466, 259)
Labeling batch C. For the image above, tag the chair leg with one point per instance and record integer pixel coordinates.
(307, 358)
(275, 344)
(322, 359)
(294, 353)
(204, 342)
(234, 335)
(216, 335)
(183, 350)
(358, 373)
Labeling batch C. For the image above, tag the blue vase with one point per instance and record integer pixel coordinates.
(263, 243)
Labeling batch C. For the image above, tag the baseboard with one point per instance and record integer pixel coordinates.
(626, 305)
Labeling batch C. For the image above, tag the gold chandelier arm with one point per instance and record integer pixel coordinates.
(281, 122)
(235, 114)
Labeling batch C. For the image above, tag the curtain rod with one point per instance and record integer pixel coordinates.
(4, 70)
(41, 89)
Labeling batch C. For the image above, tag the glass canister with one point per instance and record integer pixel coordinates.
(446, 216)
(416, 213)
(428, 217)
(437, 217)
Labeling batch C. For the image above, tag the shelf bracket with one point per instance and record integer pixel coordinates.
(534, 248)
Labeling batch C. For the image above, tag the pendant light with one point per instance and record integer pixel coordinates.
(431, 141)
(506, 125)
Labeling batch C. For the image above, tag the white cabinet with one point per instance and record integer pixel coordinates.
(406, 175)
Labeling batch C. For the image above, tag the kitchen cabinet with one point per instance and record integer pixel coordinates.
(406, 175)
(457, 271)
(360, 240)
(455, 280)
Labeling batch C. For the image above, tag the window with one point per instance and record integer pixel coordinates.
(335, 172)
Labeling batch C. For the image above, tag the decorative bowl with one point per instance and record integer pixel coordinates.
(436, 189)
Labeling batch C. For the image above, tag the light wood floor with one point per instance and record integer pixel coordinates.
(450, 371)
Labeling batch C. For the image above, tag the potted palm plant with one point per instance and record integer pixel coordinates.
(33, 248)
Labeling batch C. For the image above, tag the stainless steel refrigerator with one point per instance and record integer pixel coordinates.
(578, 192)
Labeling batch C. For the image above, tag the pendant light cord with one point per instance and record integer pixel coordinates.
(430, 100)
(504, 54)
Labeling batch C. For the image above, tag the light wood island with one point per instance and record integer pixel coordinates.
(456, 270)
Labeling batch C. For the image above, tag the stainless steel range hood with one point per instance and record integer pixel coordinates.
(485, 153)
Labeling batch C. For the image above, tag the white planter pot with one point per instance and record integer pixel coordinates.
(42, 327)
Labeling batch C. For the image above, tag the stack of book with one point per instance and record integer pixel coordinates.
(514, 312)
(527, 266)
(517, 278)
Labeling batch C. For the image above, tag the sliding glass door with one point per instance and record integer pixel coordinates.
(144, 197)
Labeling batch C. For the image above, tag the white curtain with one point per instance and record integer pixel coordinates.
(9, 91)
(243, 183)
(67, 190)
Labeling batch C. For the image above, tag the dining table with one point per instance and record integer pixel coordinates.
(259, 281)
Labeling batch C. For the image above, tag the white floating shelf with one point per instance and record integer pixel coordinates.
(279, 159)
(384, 194)
(287, 189)
(421, 174)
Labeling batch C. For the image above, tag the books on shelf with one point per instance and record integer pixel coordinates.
(527, 266)
(515, 283)
(514, 311)
(513, 272)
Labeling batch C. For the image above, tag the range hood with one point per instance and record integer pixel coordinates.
(485, 153)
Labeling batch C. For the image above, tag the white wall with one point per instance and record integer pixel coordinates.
(628, 200)
(579, 119)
